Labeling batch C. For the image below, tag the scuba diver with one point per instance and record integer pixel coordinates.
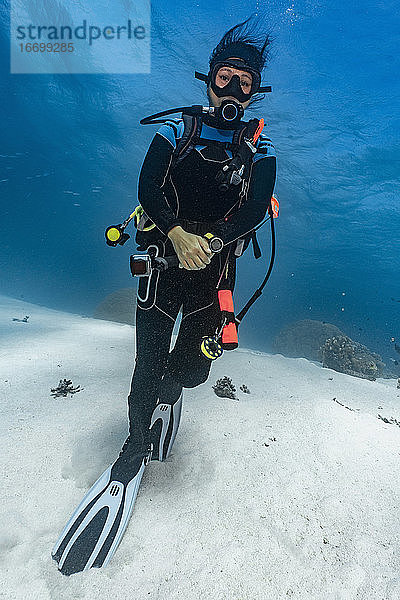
(205, 184)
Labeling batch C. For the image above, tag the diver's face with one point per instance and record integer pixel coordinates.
(222, 79)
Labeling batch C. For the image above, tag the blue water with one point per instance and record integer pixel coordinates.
(72, 147)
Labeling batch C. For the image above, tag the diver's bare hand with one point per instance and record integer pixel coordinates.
(192, 250)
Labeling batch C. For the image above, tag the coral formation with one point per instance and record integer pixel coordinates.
(224, 388)
(346, 356)
(304, 338)
(324, 342)
(64, 388)
(120, 307)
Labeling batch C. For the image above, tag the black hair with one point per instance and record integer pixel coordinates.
(243, 38)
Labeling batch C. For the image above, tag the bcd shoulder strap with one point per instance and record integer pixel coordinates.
(191, 136)
(191, 131)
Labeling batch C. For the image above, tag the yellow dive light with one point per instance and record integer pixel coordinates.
(115, 234)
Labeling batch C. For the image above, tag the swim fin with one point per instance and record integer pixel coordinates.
(95, 529)
(166, 417)
(163, 436)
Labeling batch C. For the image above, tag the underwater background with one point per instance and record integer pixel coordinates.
(72, 148)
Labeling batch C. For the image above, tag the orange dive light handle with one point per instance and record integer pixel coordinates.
(229, 336)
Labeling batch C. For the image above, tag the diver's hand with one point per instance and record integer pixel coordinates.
(192, 250)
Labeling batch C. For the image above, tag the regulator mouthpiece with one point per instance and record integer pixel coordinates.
(228, 113)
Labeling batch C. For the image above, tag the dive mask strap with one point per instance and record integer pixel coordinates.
(201, 76)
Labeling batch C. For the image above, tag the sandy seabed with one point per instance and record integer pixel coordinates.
(291, 491)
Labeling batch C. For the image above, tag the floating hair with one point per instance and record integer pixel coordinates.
(244, 37)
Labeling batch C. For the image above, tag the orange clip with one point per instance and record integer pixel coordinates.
(258, 130)
(275, 207)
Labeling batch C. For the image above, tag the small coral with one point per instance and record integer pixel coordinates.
(64, 388)
(244, 389)
(224, 388)
(24, 320)
(391, 420)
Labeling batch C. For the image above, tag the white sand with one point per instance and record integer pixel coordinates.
(312, 514)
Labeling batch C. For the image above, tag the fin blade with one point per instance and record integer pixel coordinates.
(95, 491)
(131, 494)
(95, 529)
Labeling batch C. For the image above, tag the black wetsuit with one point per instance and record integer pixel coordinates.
(188, 195)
